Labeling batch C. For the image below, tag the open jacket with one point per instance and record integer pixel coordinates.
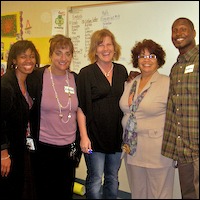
(35, 85)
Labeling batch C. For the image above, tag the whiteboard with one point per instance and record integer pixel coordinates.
(129, 22)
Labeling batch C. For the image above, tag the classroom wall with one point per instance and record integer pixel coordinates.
(130, 22)
(39, 15)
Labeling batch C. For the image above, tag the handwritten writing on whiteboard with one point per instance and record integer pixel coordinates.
(130, 22)
(107, 19)
(81, 28)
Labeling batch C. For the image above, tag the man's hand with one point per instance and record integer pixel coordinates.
(132, 75)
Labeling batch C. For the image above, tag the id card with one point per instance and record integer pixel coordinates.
(30, 143)
(72, 150)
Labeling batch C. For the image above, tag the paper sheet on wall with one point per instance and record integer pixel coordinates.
(59, 22)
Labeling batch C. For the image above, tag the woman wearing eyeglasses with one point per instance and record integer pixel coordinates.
(150, 175)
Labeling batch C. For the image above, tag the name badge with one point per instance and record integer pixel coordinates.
(69, 90)
(30, 143)
(189, 69)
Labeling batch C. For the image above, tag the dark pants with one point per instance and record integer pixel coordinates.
(12, 186)
(189, 179)
(54, 172)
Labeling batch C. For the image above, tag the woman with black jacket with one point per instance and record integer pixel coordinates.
(53, 123)
(15, 105)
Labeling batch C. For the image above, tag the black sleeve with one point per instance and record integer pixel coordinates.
(79, 152)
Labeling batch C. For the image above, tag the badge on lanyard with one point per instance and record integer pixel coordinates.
(30, 143)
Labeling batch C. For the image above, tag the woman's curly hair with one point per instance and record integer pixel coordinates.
(152, 47)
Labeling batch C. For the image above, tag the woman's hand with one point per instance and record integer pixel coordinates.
(5, 163)
(85, 145)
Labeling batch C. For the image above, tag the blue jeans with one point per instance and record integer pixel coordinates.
(98, 164)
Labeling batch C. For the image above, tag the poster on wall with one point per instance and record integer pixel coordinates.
(11, 31)
(59, 22)
(9, 25)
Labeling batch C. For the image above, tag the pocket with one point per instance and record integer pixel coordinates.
(155, 133)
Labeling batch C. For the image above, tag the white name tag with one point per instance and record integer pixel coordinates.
(189, 69)
(69, 90)
(30, 143)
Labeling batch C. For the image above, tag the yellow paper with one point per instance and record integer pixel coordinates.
(79, 189)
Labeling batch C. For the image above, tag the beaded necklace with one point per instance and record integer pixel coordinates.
(60, 106)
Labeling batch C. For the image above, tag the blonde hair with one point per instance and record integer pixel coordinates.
(97, 38)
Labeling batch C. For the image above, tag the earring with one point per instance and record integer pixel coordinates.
(16, 67)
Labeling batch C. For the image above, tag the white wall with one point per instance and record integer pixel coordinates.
(129, 22)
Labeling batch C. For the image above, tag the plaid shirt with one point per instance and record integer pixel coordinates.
(181, 133)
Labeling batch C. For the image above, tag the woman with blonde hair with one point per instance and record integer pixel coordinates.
(100, 86)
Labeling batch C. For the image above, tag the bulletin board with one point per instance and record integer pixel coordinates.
(42, 45)
(130, 22)
(11, 31)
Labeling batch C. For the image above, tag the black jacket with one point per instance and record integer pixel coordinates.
(14, 121)
(14, 114)
(35, 85)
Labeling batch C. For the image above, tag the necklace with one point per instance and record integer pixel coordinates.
(60, 106)
(108, 73)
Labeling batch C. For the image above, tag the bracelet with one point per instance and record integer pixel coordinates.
(5, 157)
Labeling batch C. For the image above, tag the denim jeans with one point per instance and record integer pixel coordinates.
(98, 164)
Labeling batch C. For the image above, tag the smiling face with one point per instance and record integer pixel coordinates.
(183, 35)
(25, 62)
(105, 51)
(61, 59)
(147, 64)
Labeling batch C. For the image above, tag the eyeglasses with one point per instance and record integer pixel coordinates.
(150, 56)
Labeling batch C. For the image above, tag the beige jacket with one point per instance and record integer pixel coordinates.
(150, 117)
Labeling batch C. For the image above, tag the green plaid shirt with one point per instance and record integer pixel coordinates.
(181, 133)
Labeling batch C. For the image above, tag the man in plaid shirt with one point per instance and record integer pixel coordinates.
(181, 133)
